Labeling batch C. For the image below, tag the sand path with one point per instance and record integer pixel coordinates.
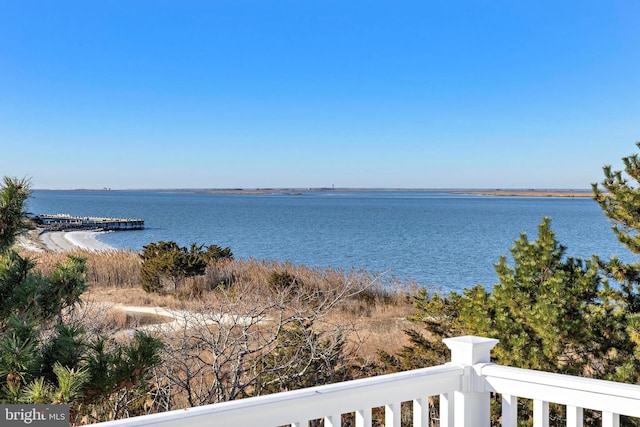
(164, 321)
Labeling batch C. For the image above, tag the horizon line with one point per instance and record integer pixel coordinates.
(326, 189)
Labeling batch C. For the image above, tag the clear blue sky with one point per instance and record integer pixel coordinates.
(220, 94)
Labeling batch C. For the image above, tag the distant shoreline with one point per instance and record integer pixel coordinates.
(477, 192)
(298, 191)
(528, 193)
(496, 192)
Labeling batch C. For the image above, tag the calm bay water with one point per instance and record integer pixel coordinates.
(437, 239)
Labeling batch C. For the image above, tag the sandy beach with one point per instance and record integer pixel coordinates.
(63, 241)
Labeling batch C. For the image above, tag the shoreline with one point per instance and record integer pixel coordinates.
(62, 241)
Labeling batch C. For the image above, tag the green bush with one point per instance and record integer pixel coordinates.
(281, 280)
(165, 265)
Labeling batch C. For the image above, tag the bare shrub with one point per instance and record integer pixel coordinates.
(242, 343)
(235, 335)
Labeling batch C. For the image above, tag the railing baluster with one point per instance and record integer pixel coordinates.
(610, 419)
(509, 410)
(540, 413)
(333, 421)
(575, 416)
(446, 410)
(421, 412)
(363, 418)
(392, 415)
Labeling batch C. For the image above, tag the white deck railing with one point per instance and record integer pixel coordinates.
(464, 386)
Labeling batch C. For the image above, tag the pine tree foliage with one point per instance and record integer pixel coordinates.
(45, 358)
(619, 198)
(542, 309)
(13, 196)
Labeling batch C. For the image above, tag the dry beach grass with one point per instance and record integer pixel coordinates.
(376, 308)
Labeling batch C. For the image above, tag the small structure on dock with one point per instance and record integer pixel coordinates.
(69, 222)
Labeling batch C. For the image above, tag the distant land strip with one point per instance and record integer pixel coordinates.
(478, 192)
(528, 193)
(533, 192)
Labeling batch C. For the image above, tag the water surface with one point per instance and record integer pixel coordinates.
(445, 240)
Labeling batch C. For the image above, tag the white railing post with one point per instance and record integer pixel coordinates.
(471, 402)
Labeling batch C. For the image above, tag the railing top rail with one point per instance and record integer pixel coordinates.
(311, 403)
(611, 388)
(564, 389)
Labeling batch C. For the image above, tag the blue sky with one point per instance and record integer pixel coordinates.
(226, 94)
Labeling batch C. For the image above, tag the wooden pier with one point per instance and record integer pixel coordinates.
(57, 222)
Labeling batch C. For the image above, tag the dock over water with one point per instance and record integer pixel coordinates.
(55, 222)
